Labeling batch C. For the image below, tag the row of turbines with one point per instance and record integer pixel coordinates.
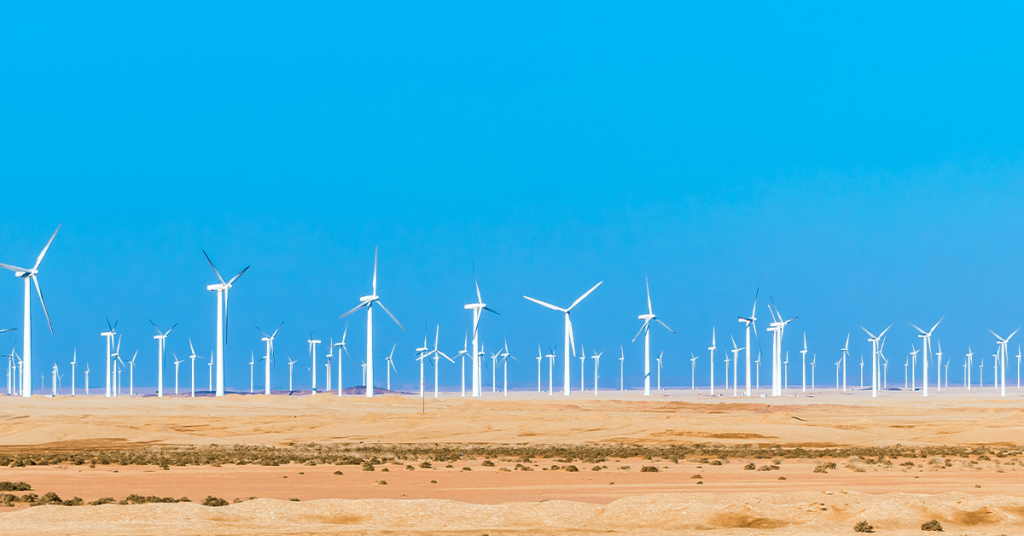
(20, 367)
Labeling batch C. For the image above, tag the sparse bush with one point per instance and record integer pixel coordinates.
(487, 463)
(466, 469)
(104, 500)
(932, 525)
(338, 473)
(433, 482)
(749, 467)
(367, 466)
(294, 499)
(426, 465)
(863, 526)
(571, 469)
(210, 500)
(381, 483)
(15, 486)
(648, 469)
(716, 462)
(764, 468)
(595, 468)
(385, 470)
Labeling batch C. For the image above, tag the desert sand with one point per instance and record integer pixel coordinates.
(968, 495)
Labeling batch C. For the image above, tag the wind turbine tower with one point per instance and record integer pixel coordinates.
(751, 321)
(927, 348)
(476, 308)
(161, 346)
(269, 340)
(646, 330)
(367, 302)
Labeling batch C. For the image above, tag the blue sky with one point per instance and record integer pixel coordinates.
(860, 164)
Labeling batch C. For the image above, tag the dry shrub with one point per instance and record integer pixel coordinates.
(750, 467)
(15, 486)
(210, 500)
(932, 525)
(648, 469)
(487, 463)
(863, 526)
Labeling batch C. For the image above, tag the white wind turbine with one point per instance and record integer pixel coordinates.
(161, 346)
(938, 363)
(814, 361)
(1001, 360)
(778, 328)
(597, 366)
(803, 363)
(1018, 368)
(659, 369)
(423, 352)
(712, 349)
(693, 372)
(622, 377)
(53, 379)
(109, 335)
(269, 341)
(846, 352)
(341, 349)
(86, 379)
(177, 364)
(252, 370)
(540, 358)
(752, 321)
(464, 352)
(477, 373)
(32, 274)
(367, 302)
(390, 364)
(758, 363)
(967, 367)
(116, 386)
(646, 330)
(504, 362)
(583, 369)
(551, 371)
(73, 361)
(327, 365)
(364, 372)
(875, 352)
(437, 355)
(735, 366)
(727, 371)
(209, 374)
(222, 290)
(785, 373)
(995, 369)
(570, 341)
(312, 353)
(947, 375)
(981, 373)
(291, 369)
(927, 350)
(131, 374)
(840, 362)
(494, 371)
(193, 357)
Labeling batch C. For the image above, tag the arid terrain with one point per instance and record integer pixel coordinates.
(675, 463)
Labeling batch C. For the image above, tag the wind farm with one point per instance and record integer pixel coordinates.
(536, 185)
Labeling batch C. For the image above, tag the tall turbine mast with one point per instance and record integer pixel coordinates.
(570, 341)
(221, 289)
(646, 330)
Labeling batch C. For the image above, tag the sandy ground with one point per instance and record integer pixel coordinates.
(980, 498)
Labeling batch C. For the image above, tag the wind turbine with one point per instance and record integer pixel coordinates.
(646, 330)
(938, 364)
(117, 356)
(597, 366)
(53, 380)
(752, 321)
(32, 274)
(846, 350)
(390, 364)
(504, 362)
(981, 374)
(778, 328)
(570, 341)
(622, 377)
(342, 349)
(906, 365)
(131, 374)
(814, 361)
(583, 369)
(291, 368)
(367, 302)
(464, 352)
(785, 375)
(927, 349)
(109, 334)
(209, 375)
(727, 371)
(874, 360)
(87, 378)
(161, 345)
(193, 357)
(221, 289)
(693, 372)
(540, 357)
(269, 340)
(1018, 368)
(73, 361)
(551, 371)
(758, 363)
(735, 366)
(840, 362)
(423, 353)
(438, 354)
(177, 363)
(659, 370)
(312, 352)
(1001, 360)
(803, 363)
(712, 350)
(252, 370)
(967, 367)
(476, 308)
(330, 354)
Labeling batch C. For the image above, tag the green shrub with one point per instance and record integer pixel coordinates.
(210, 500)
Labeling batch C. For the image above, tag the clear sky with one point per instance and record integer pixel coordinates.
(861, 164)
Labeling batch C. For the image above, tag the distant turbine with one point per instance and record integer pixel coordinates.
(193, 357)
(222, 290)
(463, 353)
(109, 334)
(476, 308)
(131, 374)
(622, 377)
(803, 363)
(291, 369)
(846, 352)
(570, 341)
(927, 349)
(646, 330)
(752, 321)
(390, 364)
(597, 366)
(177, 363)
(342, 349)
(312, 352)
(367, 302)
(814, 364)
(735, 366)
(778, 328)
(874, 360)
(540, 358)
(1001, 360)
(693, 372)
(73, 361)
(712, 348)
(161, 345)
(269, 340)
(504, 362)
(967, 367)
(31, 274)
(438, 354)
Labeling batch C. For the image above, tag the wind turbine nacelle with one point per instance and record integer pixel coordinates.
(472, 306)
(215, 287)
(646, 317)
(370, 298)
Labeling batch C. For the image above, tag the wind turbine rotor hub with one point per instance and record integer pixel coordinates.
(370, 298)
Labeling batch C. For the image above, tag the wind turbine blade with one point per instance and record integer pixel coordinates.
(658, 320)
(578, 300)
(14, 268)
(354, 309)
(572, 338)
(478, 298)
(936, 324)
(548, 305)
(868, 332)
(43, 253)
(170, 330)
(491, 310)
(1007, 339)
(35, 280)
(918, 329)
(374, 270)
(193, 348)
(263, 332)
(343, 335)
(882, 334)
(391, 315)
(158, 332)
(647, 282)
(226, 311)
(212, 266)
(239, 274)
(642, 328)
(734, 347)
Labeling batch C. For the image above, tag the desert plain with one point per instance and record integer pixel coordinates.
(678, 462)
